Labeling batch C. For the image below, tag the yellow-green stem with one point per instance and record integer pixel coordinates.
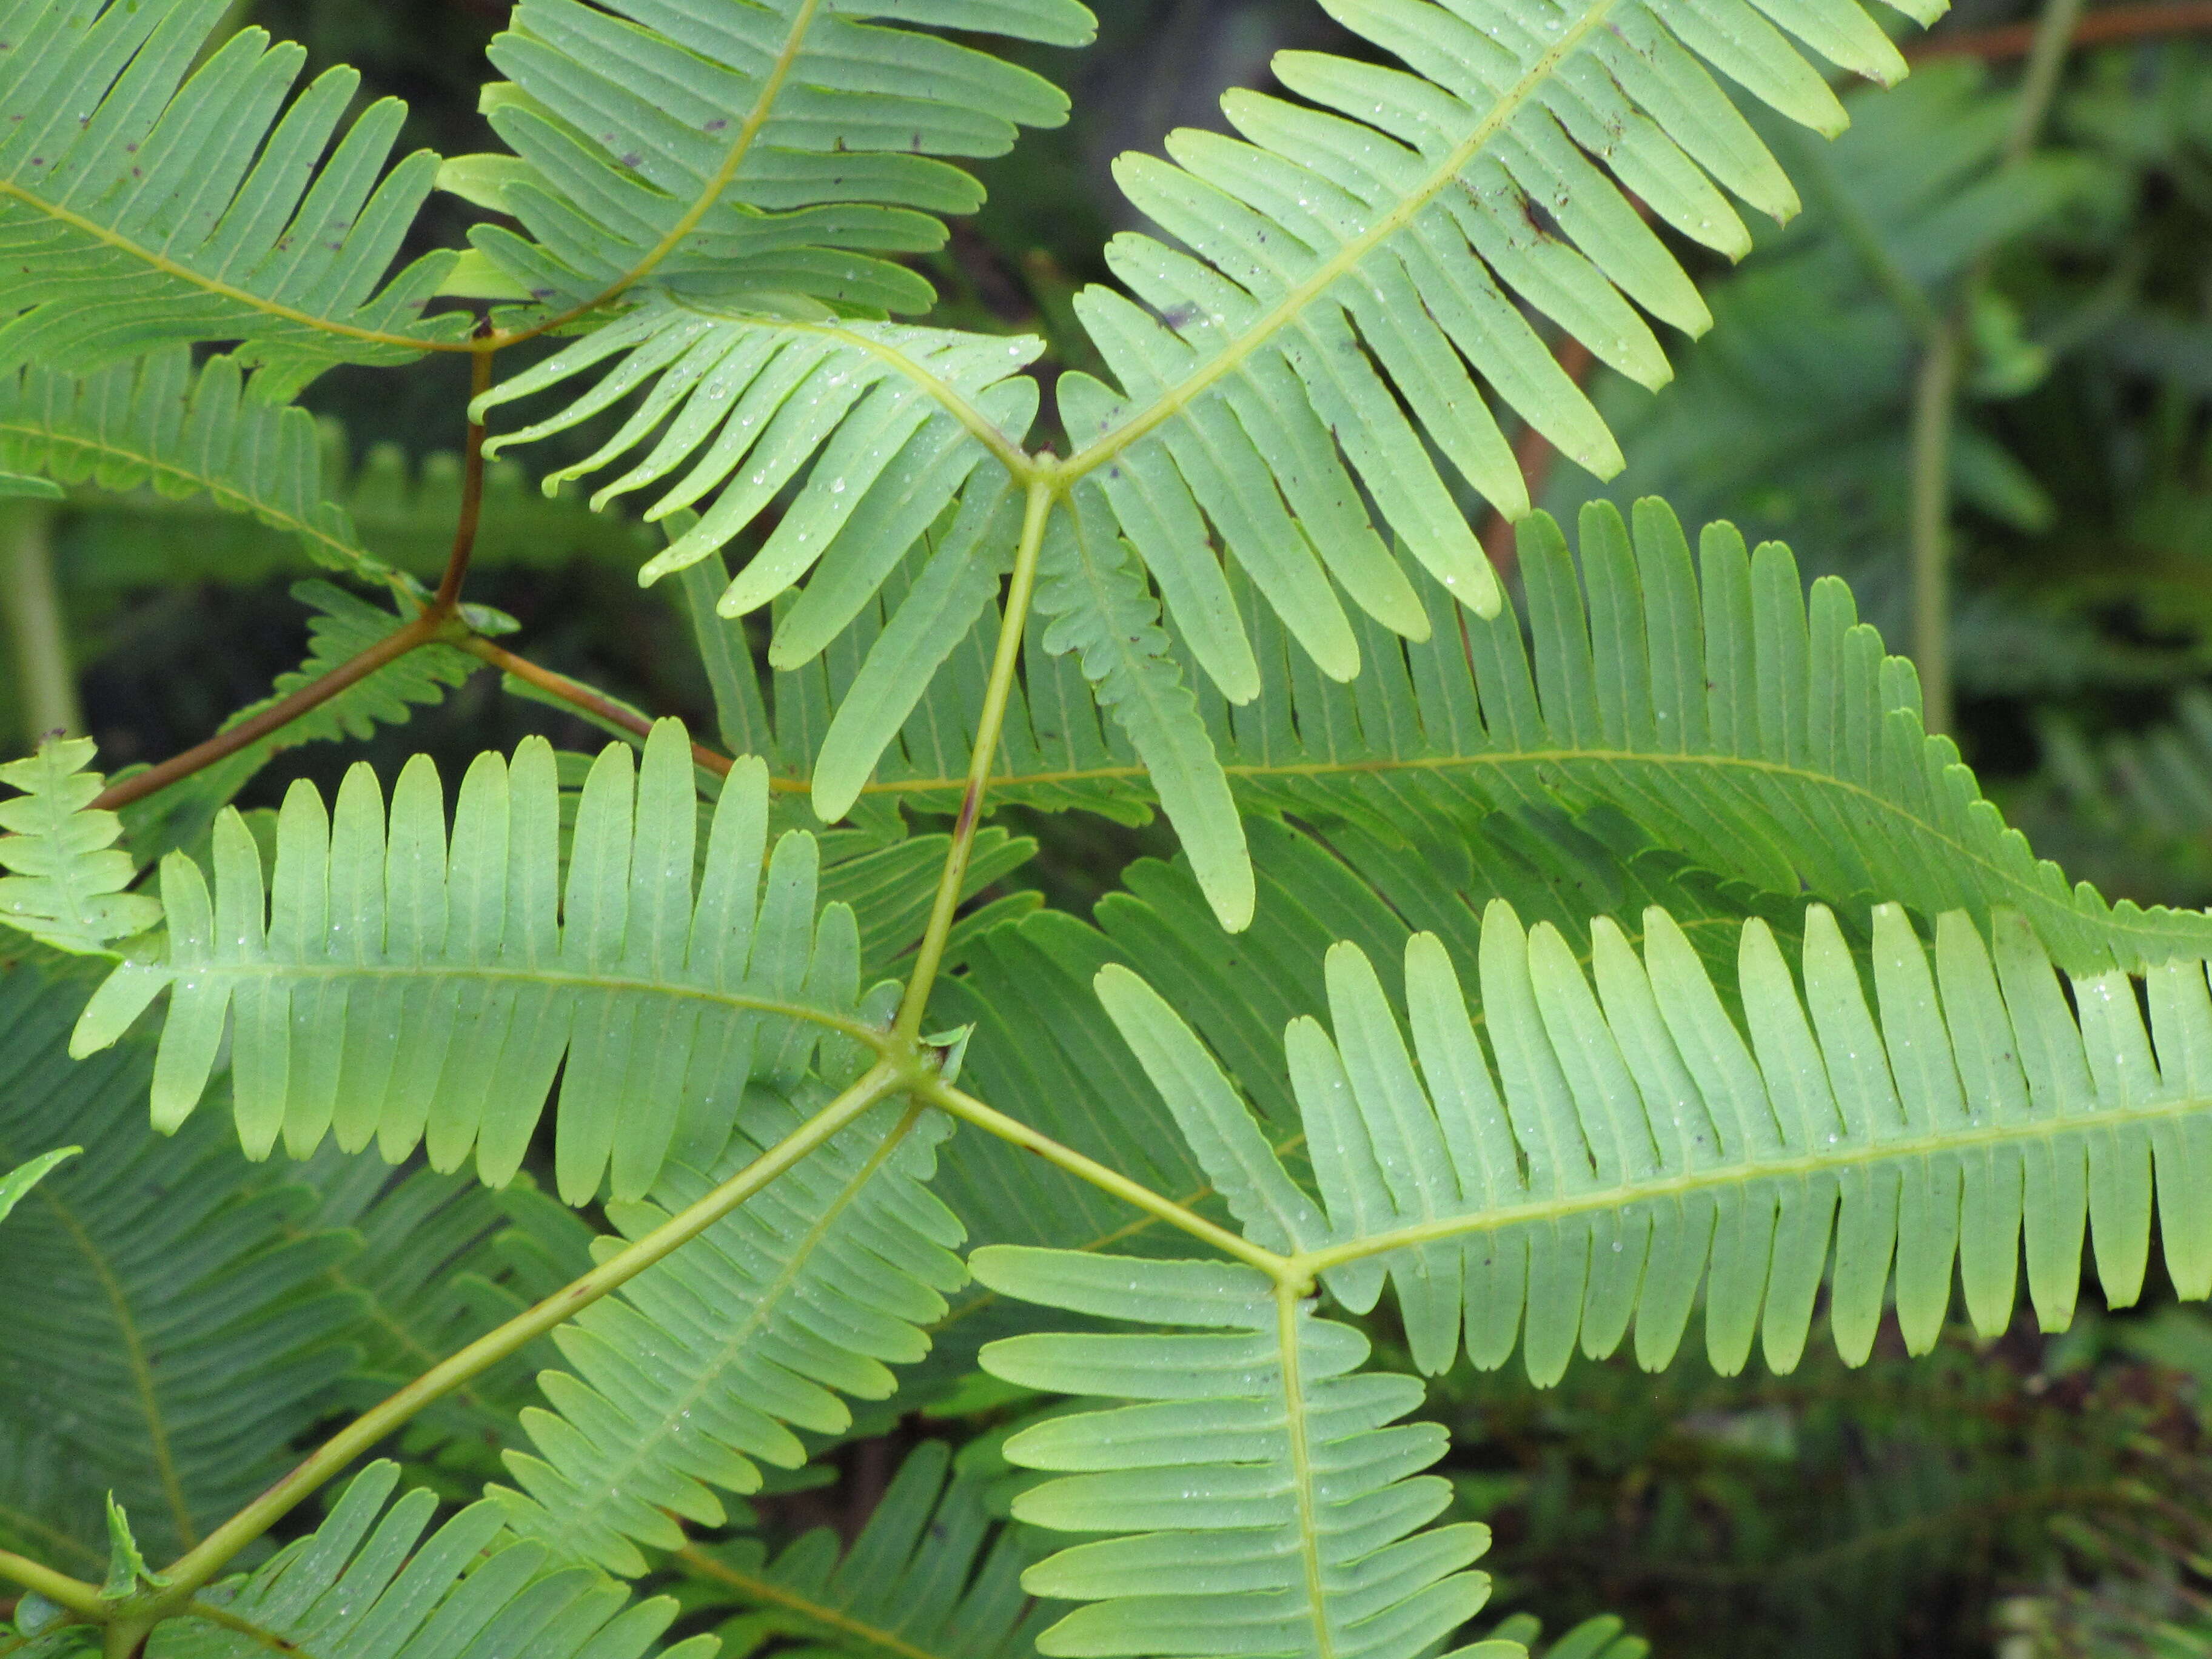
(969, 1110)
(58, 1588)
(1935, 397)
(1001, 687)
(38, 637)
(198, 1566)
(2038, 81)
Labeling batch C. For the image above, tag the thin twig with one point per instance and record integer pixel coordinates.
(280, 714)
(969, 1110)
(436, 620)
(582, 696)
(2100, 27)
(472, 474)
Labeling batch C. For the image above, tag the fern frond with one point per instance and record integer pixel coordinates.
(145, 204)
(1353, 260)
(170, 1324)
(386, 986)
(184, 434)
(67, 880)
(1727, 715)
(707, 1361)
(1264, 1499)
(893, 419)
(1631, 1142)
(343, 627)
(1045, 1051)
(932, 1576)
(770, 149)
(368, 1583)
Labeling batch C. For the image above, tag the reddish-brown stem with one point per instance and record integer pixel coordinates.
(430, 624)
(2100, 27)
(583, 697)
(1534, 454)
(472, 472)
(282, 713)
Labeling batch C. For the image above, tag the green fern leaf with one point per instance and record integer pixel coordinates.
(1262, 1497)
(1356, 252)
(930, 1577)
(68, 880)
(1348, 271)
(1631, 1142)
(1648, 681)
(774, 149)
(171, 1323)
(1102, 612)
(894, 419)
(144, 203)
(369, 1584)
(1045, 1051)
(184, 434)
(816, 1286)
(404, 990)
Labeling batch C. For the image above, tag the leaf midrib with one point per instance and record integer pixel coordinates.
(228, 494)
(1845, 1157)
(579, 981)
(134, 1354)
(1294, 1433)
(206, 284)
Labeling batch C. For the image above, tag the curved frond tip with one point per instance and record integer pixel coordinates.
(1350, 264)
(1603, 1150)
(66, 876)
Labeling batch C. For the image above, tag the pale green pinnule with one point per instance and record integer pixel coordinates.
(67, 880)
